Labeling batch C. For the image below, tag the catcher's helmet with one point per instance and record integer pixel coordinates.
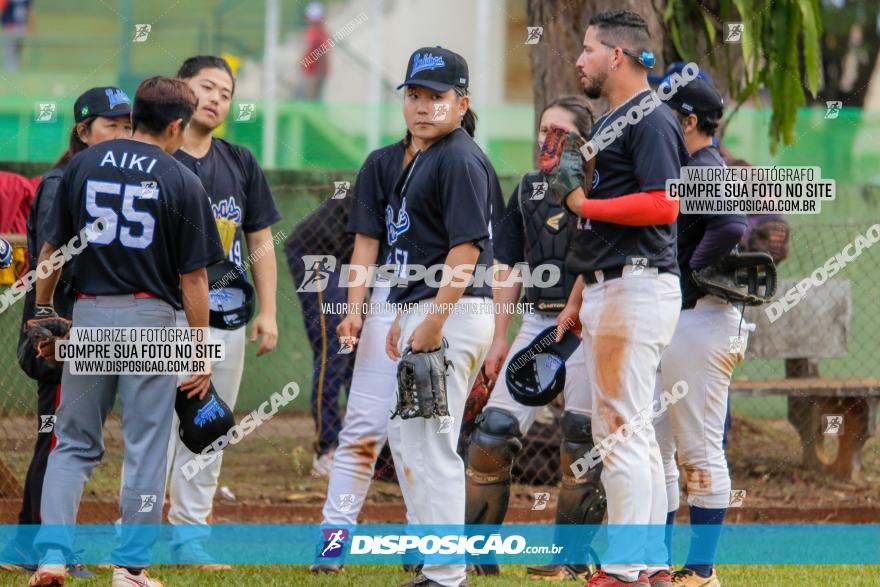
(202, 421)
(536, 374)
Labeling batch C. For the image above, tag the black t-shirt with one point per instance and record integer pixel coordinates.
(159, 226)
(446, 196)
(641, 159)
(510, 239)
(38, 224)
(372, 189)
(239, 193)
(692, 228)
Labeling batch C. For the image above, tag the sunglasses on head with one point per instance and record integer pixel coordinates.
(646, 58)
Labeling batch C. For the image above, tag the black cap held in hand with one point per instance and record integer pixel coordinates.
(437, 69)
(202, 421)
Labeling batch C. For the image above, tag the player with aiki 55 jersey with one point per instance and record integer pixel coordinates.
(141, 209)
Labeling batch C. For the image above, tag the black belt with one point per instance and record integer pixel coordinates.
(612, 273)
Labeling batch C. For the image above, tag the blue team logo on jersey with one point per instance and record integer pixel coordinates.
(395, 229)
(209, 412)
(227, 209)
(426, 61)
(595, 181)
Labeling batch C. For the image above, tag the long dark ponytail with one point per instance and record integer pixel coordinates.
(75, 145)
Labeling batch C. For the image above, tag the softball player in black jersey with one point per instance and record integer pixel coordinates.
(142, 267)
(439, 214)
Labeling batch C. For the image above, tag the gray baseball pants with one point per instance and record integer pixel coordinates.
(147, 403)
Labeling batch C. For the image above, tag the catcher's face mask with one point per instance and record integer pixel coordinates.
(536, 374)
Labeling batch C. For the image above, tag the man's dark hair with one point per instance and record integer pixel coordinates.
(623, 28)
(159, 101)
(707, 122)
(192, 66)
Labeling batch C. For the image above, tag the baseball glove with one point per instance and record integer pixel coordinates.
(41, 333)
(770, 236)
(421, 384)
(739, 278)
(473, 407)
(563, 164)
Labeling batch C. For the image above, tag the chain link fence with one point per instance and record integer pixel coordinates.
(273, 464)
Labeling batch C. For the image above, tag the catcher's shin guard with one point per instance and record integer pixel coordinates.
(493, 446)
(581, 499)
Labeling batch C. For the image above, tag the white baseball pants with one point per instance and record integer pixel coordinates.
(703, 353)
(371, 400)
(192, 501)
(434, 473)
(627, 322)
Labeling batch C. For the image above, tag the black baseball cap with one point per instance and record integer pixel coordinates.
(696, 97)
(110, 102)
(437, 69)
(202, 421)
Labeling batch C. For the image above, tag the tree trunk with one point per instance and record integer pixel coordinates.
(565, 21)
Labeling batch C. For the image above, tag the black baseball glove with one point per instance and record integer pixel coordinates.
(421, 384)
(739, 278)
(42, 331)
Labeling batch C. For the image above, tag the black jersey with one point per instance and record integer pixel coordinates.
(693, 227)
(372, 190)
(445, 197)
(642, 158)
(240, 195)
(157, 216)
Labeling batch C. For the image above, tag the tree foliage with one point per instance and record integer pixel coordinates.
(780, 39)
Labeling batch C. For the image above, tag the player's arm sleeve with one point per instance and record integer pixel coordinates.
(510, 239)
(196, 237)
(59, 220)
(367, 213)
(722, 233)
(464, 193)
(656, 148)
(260, 210)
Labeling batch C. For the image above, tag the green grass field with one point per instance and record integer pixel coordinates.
(376, 576)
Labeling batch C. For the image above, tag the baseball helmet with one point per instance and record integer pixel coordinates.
(5, 253)
(536, 374)
(202, 421)
(230, 297)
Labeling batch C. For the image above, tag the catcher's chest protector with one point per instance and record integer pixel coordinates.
(547, 235)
